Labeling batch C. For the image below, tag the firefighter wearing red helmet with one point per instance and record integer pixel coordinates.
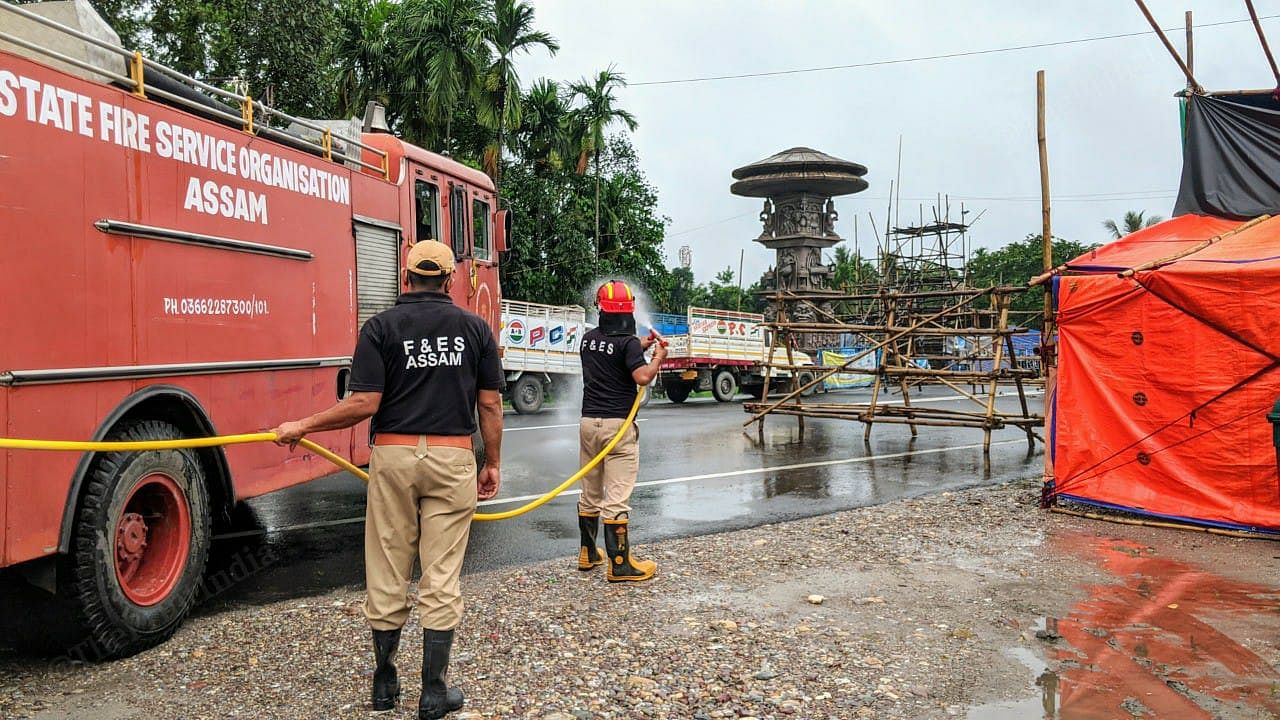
(613, 365)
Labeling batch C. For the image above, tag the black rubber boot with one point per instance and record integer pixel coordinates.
(438, 699)
(622, 567)
(386, 685)
(589, 554)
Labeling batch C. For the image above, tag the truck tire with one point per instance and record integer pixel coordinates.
(139, 544)
(678, 390)
(527, 395)
(648, 395)
(804, 379)
(724, 385)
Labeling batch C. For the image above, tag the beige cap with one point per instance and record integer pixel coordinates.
(430, 259)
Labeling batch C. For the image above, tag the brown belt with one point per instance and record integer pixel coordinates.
(457, 441)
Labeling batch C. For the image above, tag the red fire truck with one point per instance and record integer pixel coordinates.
(178, 265)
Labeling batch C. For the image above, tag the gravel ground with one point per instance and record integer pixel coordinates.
(921, 608)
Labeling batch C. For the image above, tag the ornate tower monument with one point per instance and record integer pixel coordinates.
(799, 216)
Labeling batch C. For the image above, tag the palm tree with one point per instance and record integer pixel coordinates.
(597, 112)
(508, 32)
(364, 51)
(543, 137)
(440, 56)
(1133, 222)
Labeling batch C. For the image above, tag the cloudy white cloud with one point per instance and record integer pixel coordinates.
(967, 124)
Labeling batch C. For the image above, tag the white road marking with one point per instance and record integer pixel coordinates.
(645, 483)
(550, 427)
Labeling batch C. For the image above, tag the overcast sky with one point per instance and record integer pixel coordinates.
(967, 124)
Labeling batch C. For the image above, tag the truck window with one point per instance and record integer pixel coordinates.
(458, 220)
(427, 198)
(480, 229)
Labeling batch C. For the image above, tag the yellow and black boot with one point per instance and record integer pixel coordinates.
(622, 567)
(589, 555)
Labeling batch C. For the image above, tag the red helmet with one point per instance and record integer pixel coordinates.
(615, 297)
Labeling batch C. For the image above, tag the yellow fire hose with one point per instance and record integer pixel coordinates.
(112, 446)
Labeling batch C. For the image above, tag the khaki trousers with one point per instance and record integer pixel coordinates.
(606, 490)
(420, 503)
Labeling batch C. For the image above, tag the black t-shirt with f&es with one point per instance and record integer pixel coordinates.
(608, 389)
(428, 358)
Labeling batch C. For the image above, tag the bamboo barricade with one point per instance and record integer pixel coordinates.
(899, 327)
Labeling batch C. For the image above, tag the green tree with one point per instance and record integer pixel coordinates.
(275, 50)
(363, 51)
(553, 258)
(279, 49)
(543, 138)
(507, 33)
(597, 112)
(439, 56)
(851, 270)
(1018, 262)
(723, 292)
(683, 292)
(1133, 222)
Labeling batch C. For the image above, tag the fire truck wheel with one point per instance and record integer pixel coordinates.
(140, 543)
(725, 385)
(677, 390)
(527, 395)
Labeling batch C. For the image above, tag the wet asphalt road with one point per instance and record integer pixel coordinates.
(699, 473)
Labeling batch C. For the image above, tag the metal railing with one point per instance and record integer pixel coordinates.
(243, 110)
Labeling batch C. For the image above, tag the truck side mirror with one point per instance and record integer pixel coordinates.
(502, 231)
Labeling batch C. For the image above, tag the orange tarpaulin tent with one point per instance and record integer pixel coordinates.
(1165, 377)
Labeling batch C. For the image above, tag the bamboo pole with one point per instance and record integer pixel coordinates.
(1262, 38)
(1022, 394)
(1191, 47)
(1170, 525)
(995, 374)
(919, 295)
(865, 329)
(881, 366)
(1191, 79)
(1046, 228)
(1047, 347)
(1193, 250)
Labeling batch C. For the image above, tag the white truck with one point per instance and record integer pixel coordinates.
(540, 346)
(723, 351)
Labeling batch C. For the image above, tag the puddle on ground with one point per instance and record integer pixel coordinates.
(1043, 705)
(1164, 641)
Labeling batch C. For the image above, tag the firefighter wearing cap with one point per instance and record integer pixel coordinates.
(613, 364)
(419, 370)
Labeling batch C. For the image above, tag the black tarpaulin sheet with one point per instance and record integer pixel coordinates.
(1231, 157)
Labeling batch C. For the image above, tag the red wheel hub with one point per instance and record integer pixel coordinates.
(152, 539)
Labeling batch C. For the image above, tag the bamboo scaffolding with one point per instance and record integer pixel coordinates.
(919, 325)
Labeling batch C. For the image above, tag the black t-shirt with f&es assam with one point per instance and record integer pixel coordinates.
(428, 358)
(608, 389)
